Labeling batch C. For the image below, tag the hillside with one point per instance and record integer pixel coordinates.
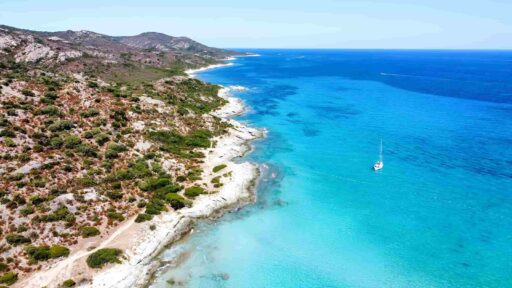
(94, 130)
(148, 55)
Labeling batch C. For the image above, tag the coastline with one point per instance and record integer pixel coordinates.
(192, 72)
(141, 244)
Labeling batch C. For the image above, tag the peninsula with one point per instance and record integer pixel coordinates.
(109, 151)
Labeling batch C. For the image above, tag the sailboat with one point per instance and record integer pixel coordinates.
(379, 164)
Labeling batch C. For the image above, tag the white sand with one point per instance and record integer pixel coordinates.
(192, 72)
(140, 244)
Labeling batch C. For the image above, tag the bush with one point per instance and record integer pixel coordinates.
(28, 93)
(62, 213)
(90, 113)
(181, 145)
(49, 110)
(155, 206)
(41, 253)
(9, 278)
(89, 231)
(16, 239)
(72, 141)
(101, 138)
(219, 167)
(104, 256)
(93, 84)
(151, 184)
(61, 126)
(57, 251)
(113, 150)
(143, 217)
(51, 95)
(140, 169)
(176, 201)
(68, 283)
(194, 191)
(9, 142)
(115, 194)
(56, 142)
(7, 133)
(115, 216)
(27, 210)
(87, 150)
(3, 266)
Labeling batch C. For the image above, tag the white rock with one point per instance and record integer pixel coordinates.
(7, 41)
(34, 52)
(143, 146)
(138, 125)
(34, 164)
(63, 56)
(90, 194)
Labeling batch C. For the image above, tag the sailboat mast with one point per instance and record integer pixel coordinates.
(380, 154)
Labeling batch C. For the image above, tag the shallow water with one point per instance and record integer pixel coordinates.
(438, 215)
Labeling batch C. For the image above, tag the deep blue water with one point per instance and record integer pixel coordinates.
(438, 215)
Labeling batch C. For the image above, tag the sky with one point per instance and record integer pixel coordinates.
(406, 24)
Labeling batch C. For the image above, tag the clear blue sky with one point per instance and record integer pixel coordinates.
(470, 24)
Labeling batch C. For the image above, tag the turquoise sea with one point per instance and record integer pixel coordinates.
(438, 215)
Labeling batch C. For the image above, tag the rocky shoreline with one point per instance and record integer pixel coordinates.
(140, 243)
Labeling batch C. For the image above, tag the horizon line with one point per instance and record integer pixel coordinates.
(342, 48)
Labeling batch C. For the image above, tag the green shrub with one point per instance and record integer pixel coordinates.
(89, 231)
(40, 253)
(101, 138)
(93, 84)
(113, 149)
(3, 266)
(28, 93)
(139, 169)
(68, 283)
(56, 142)
(7, 133)
(91, 133)
(17, 239)
(194, 191)
(71, 141)
(181, 145)
(155, 206)
(199, 138)
(49, 110)
(61, 126)
(115, 194)
(60, 214)
(151, 184)
(90, 113)
(143, 217)
(43, 253)
(176, 201)
(37, 199)
(57, 251)
(87, 150)
(115, 216)
(9, 278)
(51, 95)
(27, 210)
(104, 256)
(219, 167)
(9, 142)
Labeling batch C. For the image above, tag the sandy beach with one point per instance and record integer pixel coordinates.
(139, 243)
(192, 72)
